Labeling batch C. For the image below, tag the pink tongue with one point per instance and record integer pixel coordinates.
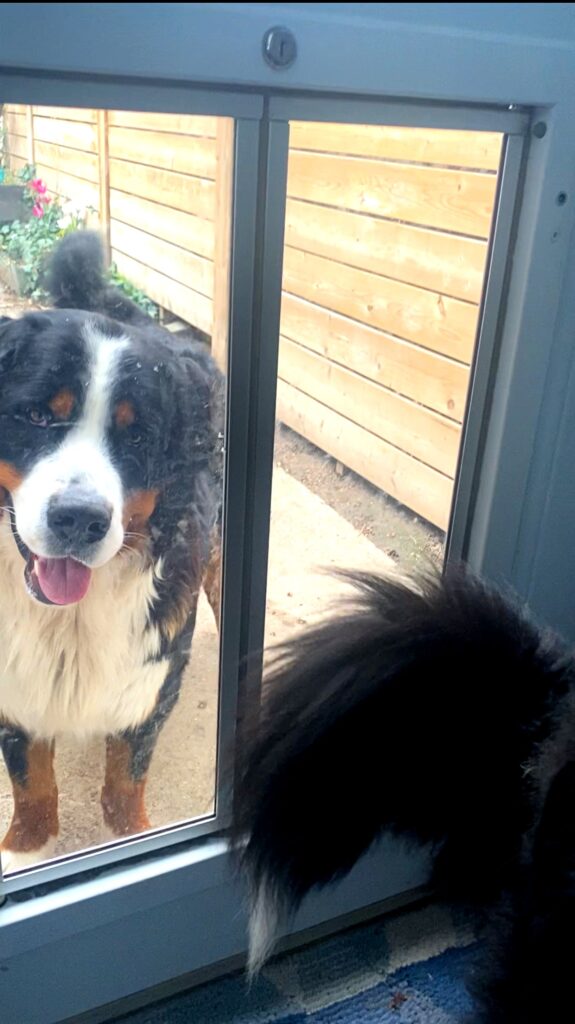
(62, 580)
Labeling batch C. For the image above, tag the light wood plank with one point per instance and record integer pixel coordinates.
(479, 150)
(441, 324)
(223, 237)
(450, 264)
(17, 145)
(72, 161)
(410, 482)
(183, 229)
(182, 153)
(178, 264)
(72, 134)
(30, 135)
(15, 121)
(17, 162)
(103, 174)
(427, 378)
(180, 191)
(68, 113)
(190, 306)
(420, 432)
(183, 124)
(81, 193)
(459, 201)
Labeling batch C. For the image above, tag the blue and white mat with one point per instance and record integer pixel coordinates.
(405, 969)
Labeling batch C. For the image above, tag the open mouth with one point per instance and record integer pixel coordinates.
(52, 580)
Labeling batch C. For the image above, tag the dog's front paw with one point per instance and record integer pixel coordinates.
(16, 860)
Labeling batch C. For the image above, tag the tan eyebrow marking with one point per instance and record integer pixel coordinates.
(125, 414)
(62, 404)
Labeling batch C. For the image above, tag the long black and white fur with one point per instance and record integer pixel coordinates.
(442, 714)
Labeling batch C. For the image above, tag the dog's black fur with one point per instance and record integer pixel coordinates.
(443, 715)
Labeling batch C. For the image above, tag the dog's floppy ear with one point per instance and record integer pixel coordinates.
(16, 331)
(197, 400)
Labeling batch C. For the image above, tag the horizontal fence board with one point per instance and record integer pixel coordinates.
(477, 150)
(74, 161)
(188, 155)
(184, 267)
(71, 134)
(441, 324)
(459, 201)
(417, 431)
(450, 264)
(196, 309)
(410, 482)
(17, 163)
(423, 376)
(180, 191)
(15, 123)
(79, 192)
(181, 228)
(183, 124)
(17, 146)
(68, 113)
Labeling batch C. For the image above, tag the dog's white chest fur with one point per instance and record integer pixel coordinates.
(81, 668)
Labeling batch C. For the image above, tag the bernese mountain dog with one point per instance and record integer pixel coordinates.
(111, 487)
(439, 712)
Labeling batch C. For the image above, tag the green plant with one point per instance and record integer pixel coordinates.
(132, 292)
(27, 244)
(19, 177)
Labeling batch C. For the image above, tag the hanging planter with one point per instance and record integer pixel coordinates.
(13, 205)
(26, 241)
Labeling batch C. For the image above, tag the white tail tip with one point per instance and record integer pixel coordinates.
(263, 928)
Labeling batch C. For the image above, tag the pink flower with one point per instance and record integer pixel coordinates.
(38, 186)
(37, 210)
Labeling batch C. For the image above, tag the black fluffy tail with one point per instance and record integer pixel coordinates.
(76, 279)
(413, 712)
(76, 273)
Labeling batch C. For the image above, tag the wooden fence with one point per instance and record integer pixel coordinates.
(151, 178)
(386, 246)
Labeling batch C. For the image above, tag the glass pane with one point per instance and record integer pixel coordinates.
(386, 245)
(111, 471)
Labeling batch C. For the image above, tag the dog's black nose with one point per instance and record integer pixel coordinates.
(79, 517)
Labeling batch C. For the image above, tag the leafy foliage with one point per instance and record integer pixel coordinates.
(28, 243)
(132, 292)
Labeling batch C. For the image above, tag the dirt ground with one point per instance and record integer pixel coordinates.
(408, 540)
(322, 516)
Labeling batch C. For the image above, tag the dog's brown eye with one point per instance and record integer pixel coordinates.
(39, 417)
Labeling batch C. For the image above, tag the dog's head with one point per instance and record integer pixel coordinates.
(100, 426)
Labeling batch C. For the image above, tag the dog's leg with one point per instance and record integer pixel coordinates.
(33, 830)
(123, 791)
(128, 758)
